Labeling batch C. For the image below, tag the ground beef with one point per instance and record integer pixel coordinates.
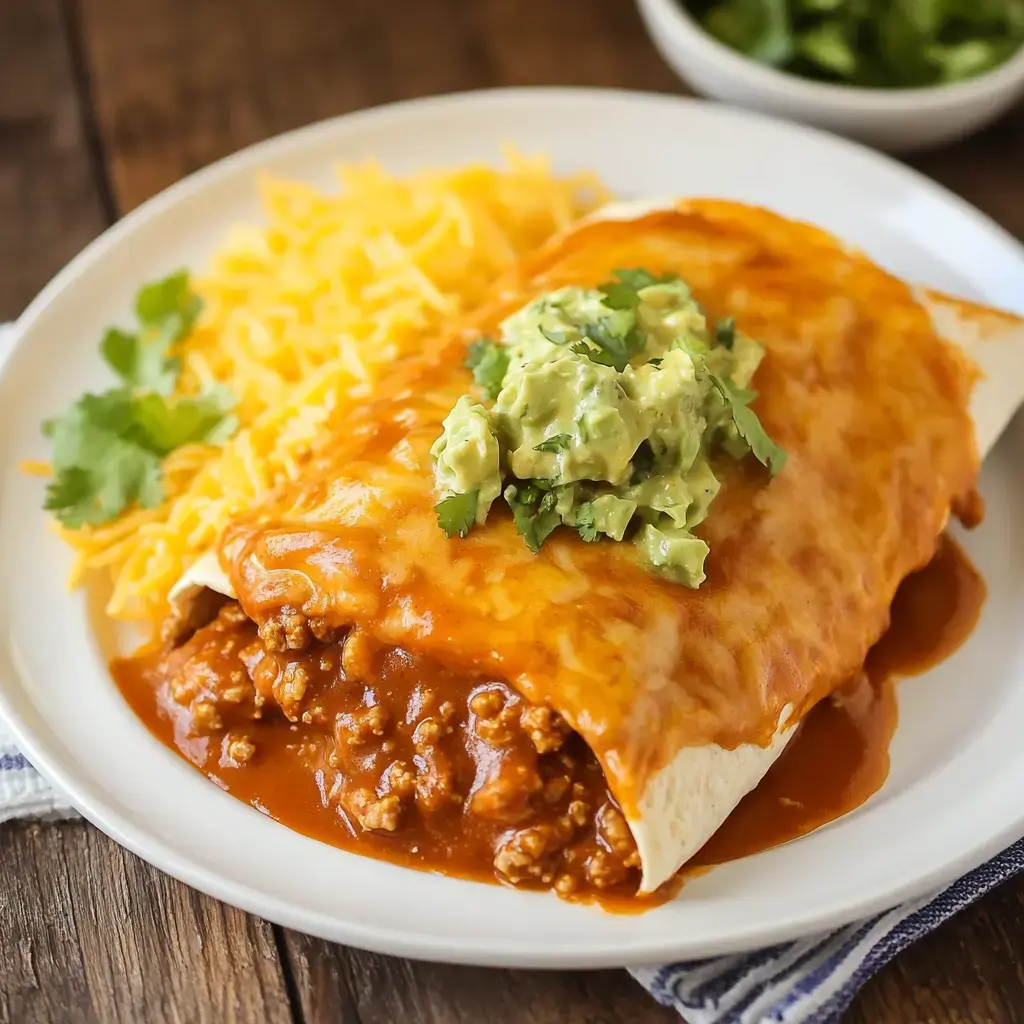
(459, 774)
(507, 794)
(547, 729)
(372, 811)
(533, 853)
(237, 749)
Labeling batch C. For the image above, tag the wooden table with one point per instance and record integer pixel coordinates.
(102, 104)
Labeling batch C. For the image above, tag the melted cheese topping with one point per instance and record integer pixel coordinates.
(870, 404)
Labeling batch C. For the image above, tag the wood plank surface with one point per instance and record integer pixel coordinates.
(370, 989)
(139, 94)
(179, 83)
(90, 933)
(50, 205)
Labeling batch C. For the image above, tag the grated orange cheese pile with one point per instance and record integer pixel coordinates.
(302, 315)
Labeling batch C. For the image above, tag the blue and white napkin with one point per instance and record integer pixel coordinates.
(813, 980)
(809, 981)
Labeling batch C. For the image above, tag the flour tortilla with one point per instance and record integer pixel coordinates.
(686, 802)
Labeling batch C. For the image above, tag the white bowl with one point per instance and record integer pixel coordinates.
(897, 120)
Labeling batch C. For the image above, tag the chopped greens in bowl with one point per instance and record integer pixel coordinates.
(870, 43)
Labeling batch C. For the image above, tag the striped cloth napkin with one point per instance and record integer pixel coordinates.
(813, 980)
(809, 981)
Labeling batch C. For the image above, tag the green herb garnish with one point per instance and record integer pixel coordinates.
(534, 513)
(635, 390)
(168, 305)
(108, 449)
(557, 443)
(555, 337)
(875, 43)
(489, 362)
(749, 427)
(622, 293)
(603, 346)
(456, 514)
(586, 524)
(167, 311)
(725, 332)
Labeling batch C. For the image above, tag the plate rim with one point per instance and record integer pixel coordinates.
(203, 176)
(393, 942)
(108, 819)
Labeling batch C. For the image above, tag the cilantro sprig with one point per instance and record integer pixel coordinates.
(108, 448)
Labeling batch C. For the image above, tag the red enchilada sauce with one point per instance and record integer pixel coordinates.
(840, 755)
(386, 754)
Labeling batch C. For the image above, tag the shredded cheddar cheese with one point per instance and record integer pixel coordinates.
(303, 315)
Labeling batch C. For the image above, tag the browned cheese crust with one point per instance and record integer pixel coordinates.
(869, 403)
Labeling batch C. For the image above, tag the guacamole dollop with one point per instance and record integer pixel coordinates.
(606, 406)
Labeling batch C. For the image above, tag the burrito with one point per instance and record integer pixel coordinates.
(553, 598)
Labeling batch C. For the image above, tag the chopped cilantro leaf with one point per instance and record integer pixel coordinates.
(523, 516)
(489, 362)
(529, 494)
(622, 293)
(535, 517)
(765, 450)
(544, 524)
(725, 332)
(638, 277)
(618, 295)
(608, 349)
(456, 514)
(555, 443)
(586, 524)
(695, 348)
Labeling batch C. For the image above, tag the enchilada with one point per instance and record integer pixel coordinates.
(588, 722)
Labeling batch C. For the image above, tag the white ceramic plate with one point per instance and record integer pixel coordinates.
(954, 795)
